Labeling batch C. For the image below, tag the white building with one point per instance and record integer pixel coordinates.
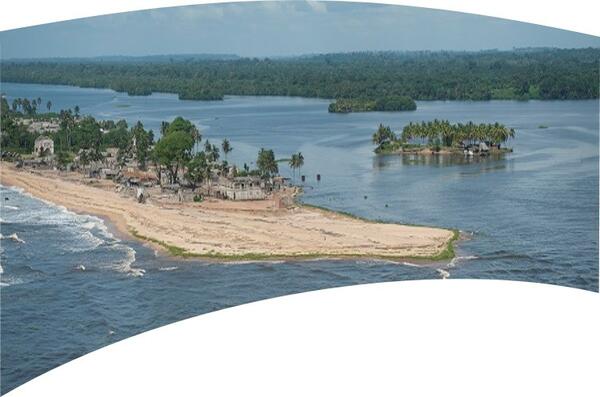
(241, 188)
(43, 146)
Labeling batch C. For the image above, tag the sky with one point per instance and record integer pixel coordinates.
(283, 28)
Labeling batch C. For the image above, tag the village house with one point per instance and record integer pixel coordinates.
(43, 147)
(34, 126)
(241, 188)
(110, 156)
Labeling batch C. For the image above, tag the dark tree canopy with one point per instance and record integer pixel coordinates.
(382, 80)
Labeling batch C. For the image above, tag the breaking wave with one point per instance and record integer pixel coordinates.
(70, 232)
(14, 237)
(444, 274)
(125, 265)
(457, 259)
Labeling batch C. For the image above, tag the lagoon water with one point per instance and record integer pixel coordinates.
(73, 286)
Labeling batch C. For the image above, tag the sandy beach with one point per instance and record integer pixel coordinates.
(235, 230)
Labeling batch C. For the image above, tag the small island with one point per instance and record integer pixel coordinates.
(442, 137)
(385, 104)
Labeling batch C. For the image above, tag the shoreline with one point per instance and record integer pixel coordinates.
(426, 151)
(189, 230)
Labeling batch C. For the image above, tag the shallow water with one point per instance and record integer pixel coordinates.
(73, 287)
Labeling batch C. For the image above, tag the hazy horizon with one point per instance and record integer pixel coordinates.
(275, 57)
(280, 29)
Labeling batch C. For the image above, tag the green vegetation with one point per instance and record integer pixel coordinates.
(63, 158)
(357, 81)
(85, 139)
(198, 169)
(173, 152)
(267, 166)
(395, 103)
(296, 162)
(440, 134)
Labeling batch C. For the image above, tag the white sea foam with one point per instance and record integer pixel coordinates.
(411, 264)
(10, 207)
(168, 268)
(7, 281)
(13, 188)
(457, 259)
(14, 237)
(125, 265)
(444, 274)
(80, 232)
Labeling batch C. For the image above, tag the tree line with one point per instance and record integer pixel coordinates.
(364, 77)
(177, 150)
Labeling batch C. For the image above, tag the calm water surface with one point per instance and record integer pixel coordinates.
(532, 215)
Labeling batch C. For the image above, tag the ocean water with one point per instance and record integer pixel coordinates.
(70, 286)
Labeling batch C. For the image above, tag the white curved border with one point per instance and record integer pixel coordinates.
(451, 337)
(424, 338)
(575, 15)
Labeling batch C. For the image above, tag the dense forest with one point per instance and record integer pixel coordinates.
(361, 79)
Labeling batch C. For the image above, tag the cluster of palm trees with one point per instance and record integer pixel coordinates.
(27, 106)
(296, 162)
(447, 134)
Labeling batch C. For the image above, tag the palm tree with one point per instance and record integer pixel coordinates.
(196, 135)
(383, 135)
(293, 163)
(300, 162)
(226, 147)
(214, 153)
(164, 126)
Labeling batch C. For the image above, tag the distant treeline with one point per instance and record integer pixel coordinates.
(367, 77)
